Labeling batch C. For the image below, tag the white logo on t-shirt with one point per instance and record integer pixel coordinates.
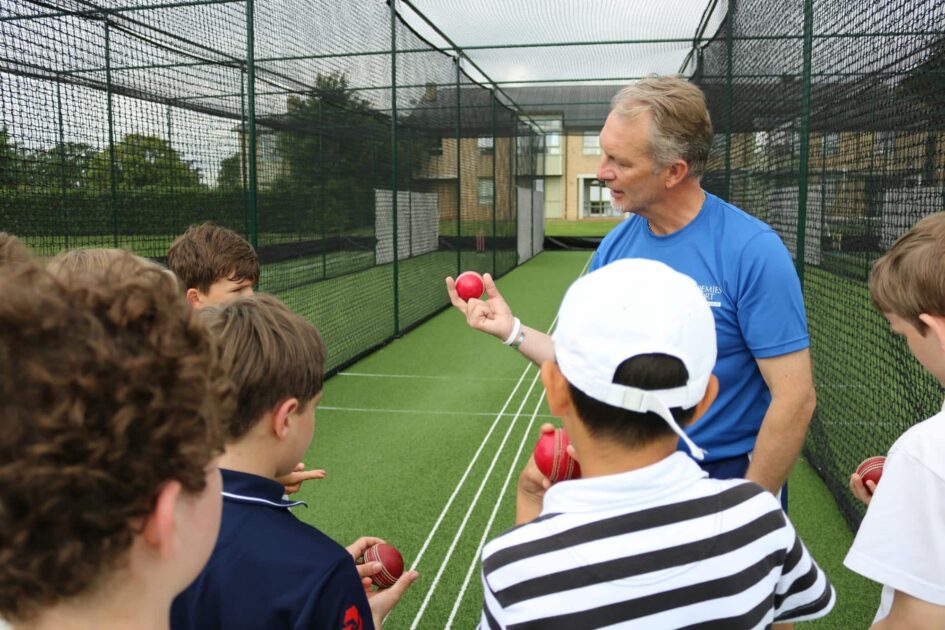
(711, 293)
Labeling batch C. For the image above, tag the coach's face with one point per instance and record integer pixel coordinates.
(626, 167)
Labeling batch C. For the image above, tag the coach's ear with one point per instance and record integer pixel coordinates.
(936, 324)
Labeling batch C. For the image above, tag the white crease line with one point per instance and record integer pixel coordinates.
(513, 467)
(419, 412)
(472, 506)
(438, 377)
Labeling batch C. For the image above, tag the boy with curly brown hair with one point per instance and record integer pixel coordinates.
(214, 264)
(111, 394)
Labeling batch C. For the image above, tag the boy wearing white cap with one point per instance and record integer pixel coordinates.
(644, 539)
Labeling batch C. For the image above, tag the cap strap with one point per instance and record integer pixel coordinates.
(643, 401)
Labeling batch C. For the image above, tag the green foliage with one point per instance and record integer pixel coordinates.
(333, 149)
(231, 173)
(143, 163)
(8, 159)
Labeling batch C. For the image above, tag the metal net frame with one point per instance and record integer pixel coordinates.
(364, 164)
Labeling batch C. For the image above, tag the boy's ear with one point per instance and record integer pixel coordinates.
(193, 297)
(160, 526)
(557, 389)
(936, 324)
(281, 416)
(711, 392)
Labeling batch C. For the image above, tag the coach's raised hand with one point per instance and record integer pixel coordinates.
(491, 315)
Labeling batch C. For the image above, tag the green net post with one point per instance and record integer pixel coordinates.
(321, 186)
(63, 206)
(729, 95)
(459, 190)
(804, 165)
(244, 161)
(513, 179)
(393, 157)
(251, 116)
(495, 189)
(112, 175)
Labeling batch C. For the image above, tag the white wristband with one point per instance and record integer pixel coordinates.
(516, 329)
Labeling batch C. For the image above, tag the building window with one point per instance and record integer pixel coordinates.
(884, 143)
(597, 199)
(553, 144)
(435, 148)
(486, 191)
(485, 144)
(591, 143)
(551, 128)
(831, 143)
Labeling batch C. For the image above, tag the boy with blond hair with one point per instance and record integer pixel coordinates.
(214, 264)
(270, 570)
(111, 394)
(901, 541)
(644, 539)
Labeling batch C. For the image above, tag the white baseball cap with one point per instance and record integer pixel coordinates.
(631, 307)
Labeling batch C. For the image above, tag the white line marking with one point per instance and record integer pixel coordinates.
(472, 506)
(513, 467)
(462, 479)
(438, 377)
(424, 412)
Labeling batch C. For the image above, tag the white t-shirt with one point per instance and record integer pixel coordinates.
(901, 541)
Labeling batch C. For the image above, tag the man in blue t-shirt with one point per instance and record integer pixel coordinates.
(655, 145)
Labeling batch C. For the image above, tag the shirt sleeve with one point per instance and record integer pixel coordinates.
(337, 603)
(901, 541)
(803, 591)
(491, 609)
(770, 303)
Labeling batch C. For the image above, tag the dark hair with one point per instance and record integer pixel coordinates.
(206, 253)
(646, 371)
(272, 354)
(109, 388)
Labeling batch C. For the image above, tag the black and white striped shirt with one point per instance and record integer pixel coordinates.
(658, 547)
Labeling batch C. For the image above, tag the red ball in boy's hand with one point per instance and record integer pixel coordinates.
(551, 456)
(392, 561)
(469, 285)
(871, 469)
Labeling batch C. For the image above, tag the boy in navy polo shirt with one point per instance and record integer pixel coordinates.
(269, 569)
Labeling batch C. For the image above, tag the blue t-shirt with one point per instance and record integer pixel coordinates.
(750, 282)
(271, 570)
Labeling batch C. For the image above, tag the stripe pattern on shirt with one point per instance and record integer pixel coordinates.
(728, 559)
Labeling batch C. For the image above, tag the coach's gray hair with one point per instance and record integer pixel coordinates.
(681, 125)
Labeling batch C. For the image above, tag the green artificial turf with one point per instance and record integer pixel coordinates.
(584, 227)
(827, 537)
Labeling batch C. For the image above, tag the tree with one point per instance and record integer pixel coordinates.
(230, 176)
(334, 149)
(143, 163)
(9, 164)
(64, 165)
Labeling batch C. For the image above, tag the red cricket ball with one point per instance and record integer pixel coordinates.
(551, 456)
(871, 469)
(469, 285)
(392, 561)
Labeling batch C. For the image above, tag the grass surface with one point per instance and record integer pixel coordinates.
(584, 227)
(423, 441)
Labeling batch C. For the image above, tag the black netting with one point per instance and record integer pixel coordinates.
(876, 164)
(333, 147)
